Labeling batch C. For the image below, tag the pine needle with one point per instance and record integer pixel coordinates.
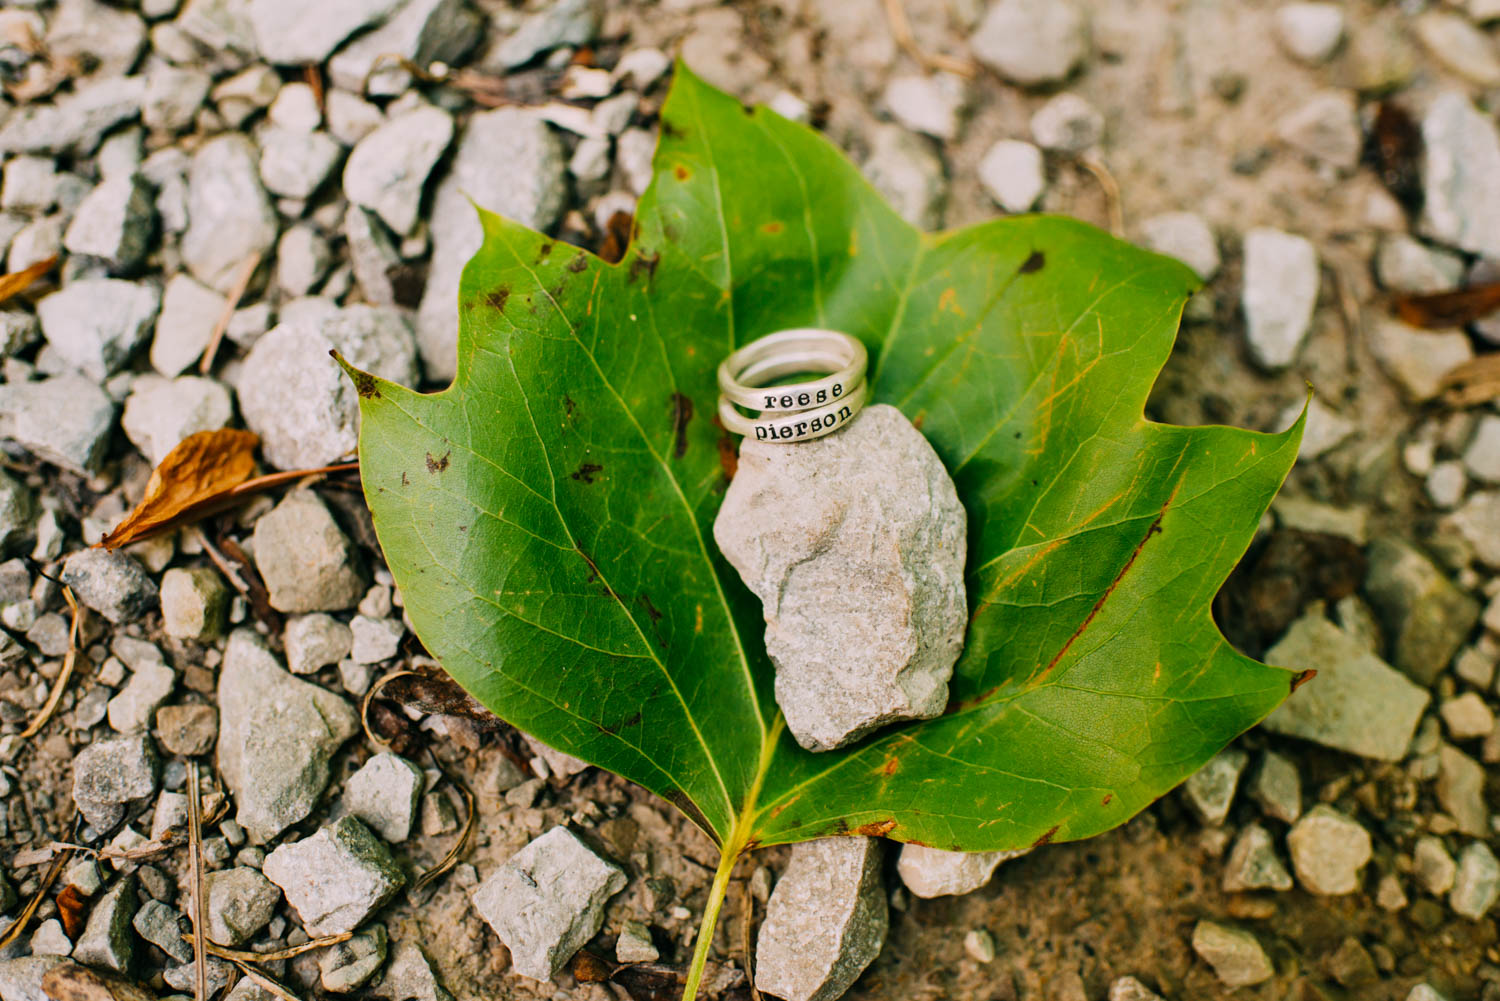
(195, 884)
(364, 707)
(61, 684)
(290, 952)
(895, 14)
(470, 822)
(268, 982)
(1096, 167)
(231, 303)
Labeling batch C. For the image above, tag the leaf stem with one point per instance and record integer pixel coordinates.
(728, 856)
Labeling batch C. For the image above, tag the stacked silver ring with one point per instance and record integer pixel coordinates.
(800, 411)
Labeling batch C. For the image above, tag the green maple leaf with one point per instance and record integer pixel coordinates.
(548, 517)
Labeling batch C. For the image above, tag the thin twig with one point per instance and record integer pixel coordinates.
(269, 983)
(13, 933)
(195, 884)
(470, 821)
(314, 78)
(290, 952)
(364, 707)
(1111, 187)
(219, 561)
(895, 15)
(69, 659)
(231, 303)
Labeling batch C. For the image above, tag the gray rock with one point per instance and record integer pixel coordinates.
(73, 122)
(1418, 360)
(926, 103)
(30, 184)
(49, 939)
(114, 223)
(1482, 455)
(160, 412)
(162, 927)
(36, 241)
(96, 324)
(1461, 176)
(302, 259)
(372, 254)
(1326, 128)
(905, 170)
(560, 22)
(825, 922)
(547, 901)
(1407, 265)
(1210, 790)
(19, 330)
(1067, 124)
(423, 31)
(1356, 703)
(1460, 791)
(1032, 42)
(1309, 32)
(410, 977)
(295, 109)
(1477, 883)
(296, 398)
(315, 641)
(633, 154)
(295, 164)
(111, 583)
(173, 96)
(184, 978)
(107, 938)
(1460, 46)
(1277, 787)
(1467, 717)
(1131, 989)
(107, 39)
(859, 564)
(374, 640)
(306, 560)
(557, 762)
(1253, 864)
(530, 192)
(386, 172)
(635, 944)
(336, 878)
(293, 32)
(21, 979)
(1281, 289)
(229, 216)
(108, 773)
(1185, 236)
(1426, 617)
(1435, 868)
(135, 707)
(239, 903)
(349, 965)
(1478, 521)
(17, 514)
(1235, 954)
(384, 794)
(350, 119)
(933, 872)
(1425, 992)
(1328, 850)
(194, 603)
(276, 737)
(246, 92)
(189, 312)
(187, 730)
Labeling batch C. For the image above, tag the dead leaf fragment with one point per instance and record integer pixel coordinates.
(200, 470)
(16, 282)
(1440, 310)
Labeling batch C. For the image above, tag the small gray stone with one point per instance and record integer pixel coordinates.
(1357, 703)
(239, 903)
(315, 641)
(422, 31)
(558, 763)
(162, 927)
(30, 184)
(384, 794)
(173, 96)
(372, 254)
(111, 583)
(161, 412)
(1461, 176)
(1210, 790)
(825, 922)
(349, 965)
(1460, 791)
(388, 169)
(17, 514)
(1235, 955)
(1032, 42)
(374, 640)
(111, 772)
(336, 878)
(1013, 174)
(633, 154)
(934, 872)
(21, 979)
(107, 939)
(1407, 265)
(1482, 456)
(184, 978)
(1477, 884)
(561, 22)
(295, 164)
(1435, 868)
(1277, 787)
(105, 38)
(187, 730)
(1478, 521)
(114, 223)
(547, 901)
(1131, 989)
(135, 707)
(908, 173)
(73, 122)
(1425, 992)
(1467, 717)
(1426, 616)
(1253, 864)
(1459, 46)
(96, 324)
(1328, 850)
(350, 118)
(927, 103)
(302, 259)
(530, 191)
(887, 543)
(49, 939)
(194, 603)
(19, 330)
(1067, 124)
(1185, 236)
(1418, 360)
(276, 737)
(229, 216)
(189, 312)
(1309, 31)
(293, 32)
(410, 977)
(1281, 289)
(35, 242)
(635, 945)
(65, 420)
(306, 560)
(1326, 128)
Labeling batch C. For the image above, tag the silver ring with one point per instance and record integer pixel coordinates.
(804, 425)
(787, 352)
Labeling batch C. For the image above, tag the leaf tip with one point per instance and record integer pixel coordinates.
(365, 384)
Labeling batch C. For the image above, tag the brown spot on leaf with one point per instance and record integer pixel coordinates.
(682, 412)
(543, 252)
(568, 405)
(586, 472)
(679, 799)
(651, 610)
(891, 766)
(643, 263)
(496, 297)
(1033, 263)
(773, 227)
(578, 263)
(681, 173)
(439, 464)
(729, 457)
(1109, 798)
(671, 129)
(1303, 677)
(364, 385)
(876, 828)
(1047, 837)
(616, 237)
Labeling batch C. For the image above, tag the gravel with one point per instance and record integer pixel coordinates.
(1032, 42)
(1328, 850)
(95, 325)
(229, 215)
(160, 412)
(292, 32)
(1310, 32)
(387, 171)
(1461, 176)
(384, 794)
(239, 903)
(1013, 174)
(1427, 617)
(337, 878)
(108, 939)
(933, 872)
(1280, 291)
(1476, 886)
(194, 603)
(1067, 124)
(1185, 236)
(111, 583)
(1210, 790)
(114, 223)
(1236, 955)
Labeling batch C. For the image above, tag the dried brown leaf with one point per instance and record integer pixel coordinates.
(1395, 151)
(16, 282)
(203, 468)
(73, 911)
(437, 693)
(1473, 382)
(1448, 309)
(71, 982)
